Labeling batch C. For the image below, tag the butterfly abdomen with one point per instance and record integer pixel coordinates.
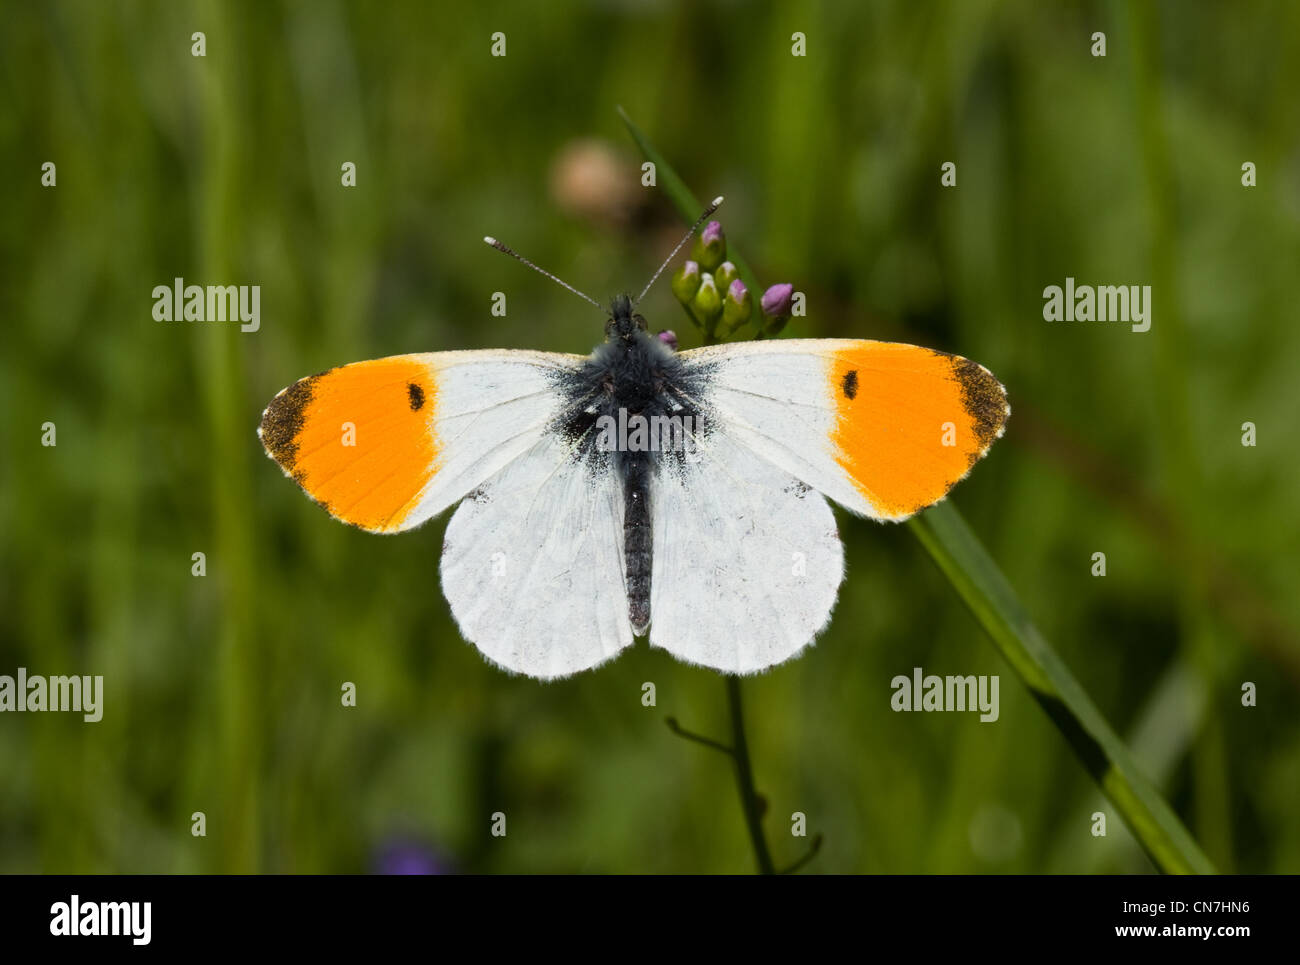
(630, 406)
(638, 545)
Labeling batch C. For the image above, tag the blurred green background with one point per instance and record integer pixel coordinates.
(222, 693)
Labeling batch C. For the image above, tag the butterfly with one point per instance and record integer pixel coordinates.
(638, 490)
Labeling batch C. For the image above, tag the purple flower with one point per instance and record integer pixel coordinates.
(778, 299)
(738, 307)
(710, 248)
(686, 282)
(669, 338)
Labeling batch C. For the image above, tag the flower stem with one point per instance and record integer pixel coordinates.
(749, 800)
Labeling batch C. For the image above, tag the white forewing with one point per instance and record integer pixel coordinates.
(747, 560)
(491, 407)
(533, 566)
(776, 398)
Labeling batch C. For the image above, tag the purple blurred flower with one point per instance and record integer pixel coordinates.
(409, 856)
(669, 338)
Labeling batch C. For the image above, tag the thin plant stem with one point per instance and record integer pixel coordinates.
(690, 735)
(812, 853)
(749, 800)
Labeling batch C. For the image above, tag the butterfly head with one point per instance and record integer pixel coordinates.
(623, 321)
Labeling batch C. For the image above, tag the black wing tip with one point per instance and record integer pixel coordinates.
(984, 398)
(282, 421)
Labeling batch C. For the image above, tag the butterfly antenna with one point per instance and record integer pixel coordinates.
(518, 257)
(690, 234)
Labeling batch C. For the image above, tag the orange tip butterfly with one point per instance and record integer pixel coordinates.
(638, 490)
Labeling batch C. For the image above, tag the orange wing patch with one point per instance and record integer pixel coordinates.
(911, 422)
(358, 439)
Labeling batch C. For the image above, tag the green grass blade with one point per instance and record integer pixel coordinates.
(978, 581)
(962, 558)
(684, 200)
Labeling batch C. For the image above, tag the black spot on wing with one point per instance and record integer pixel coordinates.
(850, 385)
(416, 395)
(282, 421)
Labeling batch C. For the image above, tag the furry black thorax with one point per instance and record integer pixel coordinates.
(632, 371)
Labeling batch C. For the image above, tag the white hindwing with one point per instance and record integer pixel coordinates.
(747, 560)
(533, 564)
